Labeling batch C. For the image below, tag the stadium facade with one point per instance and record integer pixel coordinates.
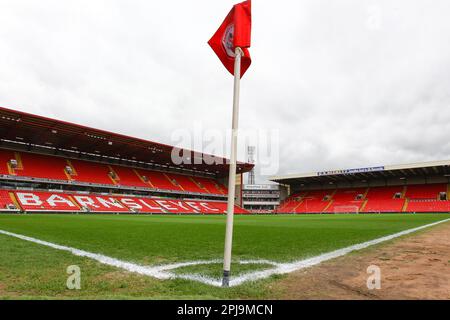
(261, 198)
(47, 165)
(413, 188)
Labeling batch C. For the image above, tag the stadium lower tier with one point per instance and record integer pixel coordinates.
(413, 198)
(46, 202)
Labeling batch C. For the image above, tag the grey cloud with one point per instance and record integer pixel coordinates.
(347, 83)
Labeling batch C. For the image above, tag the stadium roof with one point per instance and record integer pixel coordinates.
(361, 174)
(24, 128)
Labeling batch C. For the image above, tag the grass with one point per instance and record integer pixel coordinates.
(32, 271)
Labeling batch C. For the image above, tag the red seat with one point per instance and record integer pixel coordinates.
(428, 191)
(210, 185)
(44, 167)
(158, 180)
(428, 206)
(5, 200)
(38, 201)
(128, 177)
(5, 156)
(186, 183)
(343, 206)
(384, 205)
(45, 201)
(96, 203)
(314, 201)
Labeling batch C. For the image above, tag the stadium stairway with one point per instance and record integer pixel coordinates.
(363, 206)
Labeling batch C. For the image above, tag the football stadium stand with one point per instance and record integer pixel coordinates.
(416, 188)
(47, 165)
(377, 200)
(6, 203)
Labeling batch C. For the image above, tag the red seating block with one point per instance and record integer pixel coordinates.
(97, 203)
(91, 172)
(384, 205)
(5, 200)
(210, 185)
(429, 191)
(45, 202)
(158, 180)
(128, 177)
(428, 206)
(44, 167)
(186, 183)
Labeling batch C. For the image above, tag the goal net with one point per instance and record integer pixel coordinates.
(346, 210)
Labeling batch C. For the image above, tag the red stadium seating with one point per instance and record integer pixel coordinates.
(314, 202)
(384, 205)
(186, 183)
(128, 177)
(210, 185)
(421, 198)
(222, 206)
(158, 180)
(213, 207)
(348, 194)
(5, 156)
(5, 201)
(54, 168)
(345, 200)
(429, 191)
(428, 206)
(45, 202)
(97, 203)
(91, 172)
(381, 199)
(342, 206)
(288, 206)
(44, 167)
(384, 193)
(37, 201)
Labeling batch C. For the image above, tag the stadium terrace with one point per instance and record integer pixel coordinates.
(419, 187)
(48, 165)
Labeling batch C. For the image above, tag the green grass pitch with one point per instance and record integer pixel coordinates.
(29, 270)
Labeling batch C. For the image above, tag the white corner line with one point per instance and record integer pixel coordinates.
(307, 263)
(163, 272)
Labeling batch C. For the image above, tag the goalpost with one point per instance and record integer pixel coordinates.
(346, 210)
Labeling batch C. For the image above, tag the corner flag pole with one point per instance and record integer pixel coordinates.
(232, 174)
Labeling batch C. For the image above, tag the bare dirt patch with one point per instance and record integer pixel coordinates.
(414, 267)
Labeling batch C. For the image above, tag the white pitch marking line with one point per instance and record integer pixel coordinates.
(306, 263)
(163, 272)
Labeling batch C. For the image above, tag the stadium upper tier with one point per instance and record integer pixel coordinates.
(390, 199)
(58, 202)
(53, 169)
(36, 133)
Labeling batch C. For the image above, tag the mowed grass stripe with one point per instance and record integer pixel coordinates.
(163, 239)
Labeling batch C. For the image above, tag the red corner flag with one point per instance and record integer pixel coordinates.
(234, 32)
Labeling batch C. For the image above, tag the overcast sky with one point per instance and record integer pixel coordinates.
(348, 83)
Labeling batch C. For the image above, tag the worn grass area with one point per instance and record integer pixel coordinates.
(214, 270)
(29, 270)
